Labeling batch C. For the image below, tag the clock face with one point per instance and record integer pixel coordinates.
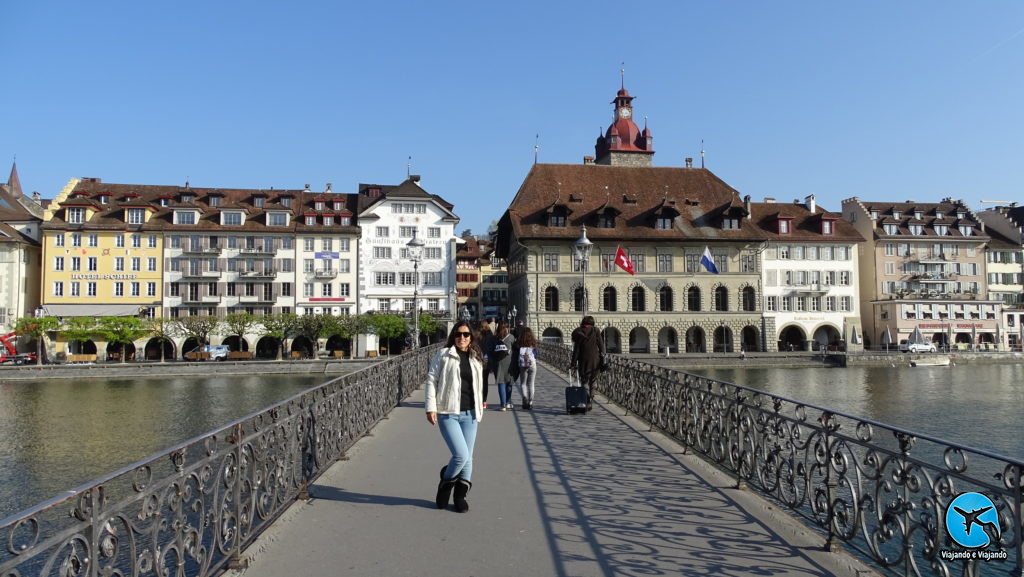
(625, 112)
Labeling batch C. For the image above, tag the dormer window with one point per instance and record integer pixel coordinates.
(967, 230)
(328, 220)
(606, 221)
(76, 215)
(556, 220)
(184, 217)
(310, 220)
(663, 223)
(318, 205)
(918, 215)
(896, 214)
(214, 201)
(785, 225)
(828, 226)
(890, 229)
(104, 199)
(286, 201)
(731, 223)
(345, 221)
(186, 198)
(136, 215)
(231, 218)
(259, 201)
(337, 205)
(916, 229)
(874, 214)
(939, 214)
(941, 230)
(961, 215)
(277, 218)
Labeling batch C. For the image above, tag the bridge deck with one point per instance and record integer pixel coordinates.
(559, 495)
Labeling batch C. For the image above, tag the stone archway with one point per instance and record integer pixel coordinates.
(668, 338)
(723, 339)
(114, 352)
(236, 344)
(303, 346)
(337, 343)
(827, 336)
(792, 338)
(551, 335)
(268, 348)
(750, 339)
(153, 346)
(696, 340)
(639, 340)
(612, 340)
(188, 346)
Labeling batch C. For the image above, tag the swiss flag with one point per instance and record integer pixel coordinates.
(623, 262)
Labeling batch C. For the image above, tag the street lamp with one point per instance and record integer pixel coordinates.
(581, 251)
(415, 247)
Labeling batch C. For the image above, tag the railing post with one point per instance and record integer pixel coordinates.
(236, 561)
(830, 489)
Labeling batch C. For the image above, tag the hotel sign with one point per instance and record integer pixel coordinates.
(104, 276)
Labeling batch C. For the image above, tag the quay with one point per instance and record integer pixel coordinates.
(555, 495)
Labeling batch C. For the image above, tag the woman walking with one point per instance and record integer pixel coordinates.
(499, 361)
(527, 362)
(454, 402)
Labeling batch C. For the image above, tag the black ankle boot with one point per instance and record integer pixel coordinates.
(462, 488)
(444, 490)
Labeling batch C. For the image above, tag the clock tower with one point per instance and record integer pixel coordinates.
(624, 144)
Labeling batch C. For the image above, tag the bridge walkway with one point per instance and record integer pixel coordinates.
(553, 495)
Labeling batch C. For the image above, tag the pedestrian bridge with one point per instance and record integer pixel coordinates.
(670, 474)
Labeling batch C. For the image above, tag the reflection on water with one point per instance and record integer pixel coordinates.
(974, 405)
(58, 434)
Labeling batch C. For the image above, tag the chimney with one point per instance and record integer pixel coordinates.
(328, 187)
(769, 200)
(307, 188)
(689, 162)
(588, 160)
(811, 205)
(746, 205)
(415, 178)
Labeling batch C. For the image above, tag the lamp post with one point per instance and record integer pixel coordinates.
(415, 247)
(581, 251)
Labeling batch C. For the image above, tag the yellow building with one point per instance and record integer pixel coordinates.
(99, 257)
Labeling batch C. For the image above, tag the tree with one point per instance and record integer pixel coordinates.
(78, 329)
(428, 325)
(347, 326)
(313, 327)
(386, 327)
(122, 331)
(240, 323)
(198, 327)
(280, 326)
(163, 330)
(36, 328)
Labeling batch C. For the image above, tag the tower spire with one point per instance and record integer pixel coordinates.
(13, 181)
(622, 76)
(536, 148)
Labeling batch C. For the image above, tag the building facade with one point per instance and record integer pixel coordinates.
(20, 253)
(1005, 269)
(663, 219)
(922, 274)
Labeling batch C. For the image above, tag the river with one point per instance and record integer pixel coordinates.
(59, 434)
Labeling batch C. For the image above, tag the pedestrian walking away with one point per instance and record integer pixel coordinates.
(483, 336)
(499, 360)
(526, 360)
(587, 351)
(453, 394)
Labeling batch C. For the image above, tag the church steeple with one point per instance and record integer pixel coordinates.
(14, 182)
(624, 143)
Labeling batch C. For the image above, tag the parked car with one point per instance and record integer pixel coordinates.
(209, 352)
(909, 347)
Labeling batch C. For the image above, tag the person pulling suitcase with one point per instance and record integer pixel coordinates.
(587, 350)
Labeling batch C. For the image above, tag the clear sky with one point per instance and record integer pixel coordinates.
(878, 99)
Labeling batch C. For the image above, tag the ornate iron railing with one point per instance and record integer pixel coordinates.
(881, 491)
(191, 510)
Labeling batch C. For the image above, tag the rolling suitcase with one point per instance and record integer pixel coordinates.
(575, 395)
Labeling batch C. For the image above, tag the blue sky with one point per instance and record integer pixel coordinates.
(877, 99)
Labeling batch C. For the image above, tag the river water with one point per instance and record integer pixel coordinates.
(59, 434)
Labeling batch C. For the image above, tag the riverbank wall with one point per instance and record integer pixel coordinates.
(131, 370)
(800, 359)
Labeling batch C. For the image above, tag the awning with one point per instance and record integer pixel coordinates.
(95, 309)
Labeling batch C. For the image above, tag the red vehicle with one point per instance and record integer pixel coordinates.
(10, 354)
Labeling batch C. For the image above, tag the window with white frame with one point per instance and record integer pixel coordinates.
(433, 232)
(136, 215)
(90, 289)
(384, 278)
(119, 263)
(93, 264)
(136, 241)
(184, 217)
(58, 288)
(382, 232)
(76, 215)
(327, 244)
(76, 239)
(58, 263)
(119, 289)
(58, 239)
(382, 252)
(432, 252)
(307, 290)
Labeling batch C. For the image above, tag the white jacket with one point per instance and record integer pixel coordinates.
(443, 386)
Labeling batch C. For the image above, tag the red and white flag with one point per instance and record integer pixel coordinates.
(623, 262)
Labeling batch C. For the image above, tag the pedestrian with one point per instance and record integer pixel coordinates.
(454, 402)
(587, 352)
(483, 336)
(499, 362)
(526, 360)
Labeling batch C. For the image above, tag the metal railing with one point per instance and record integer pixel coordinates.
(192, 509)
(880, 491)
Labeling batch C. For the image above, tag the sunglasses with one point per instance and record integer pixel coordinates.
(463, 334)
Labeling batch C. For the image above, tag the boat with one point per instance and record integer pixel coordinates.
(937, 361)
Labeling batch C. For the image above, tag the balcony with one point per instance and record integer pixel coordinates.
(201, 250)
(255, 299)
(201, 275)
(325, 273)
(814, 289)
(200, 299)
(256, 250)
(256, 274)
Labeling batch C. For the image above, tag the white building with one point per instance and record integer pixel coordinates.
(327, 245)
(389, 217)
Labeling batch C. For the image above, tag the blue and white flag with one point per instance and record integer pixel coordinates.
(708, 261)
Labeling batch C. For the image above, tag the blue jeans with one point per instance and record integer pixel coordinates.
(504, 393)
(459, 432)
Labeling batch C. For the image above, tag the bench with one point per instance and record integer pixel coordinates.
(81, 358)
(240, 355)
(371, 353)
(198, 356)
(338, 353)
(297, 355)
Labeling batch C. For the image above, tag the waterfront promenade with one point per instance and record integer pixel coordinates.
(554, 495)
